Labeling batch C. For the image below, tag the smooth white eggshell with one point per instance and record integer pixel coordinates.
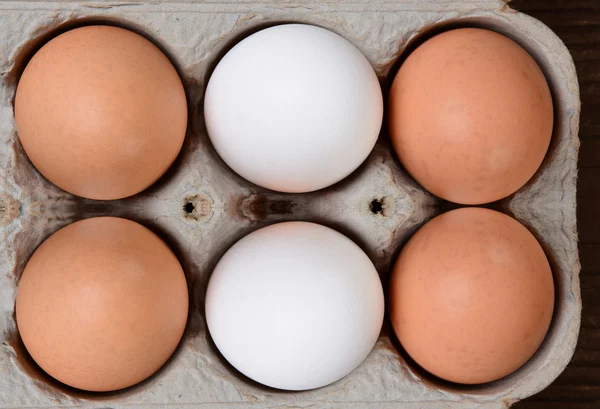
(293, 108)
(295, 305)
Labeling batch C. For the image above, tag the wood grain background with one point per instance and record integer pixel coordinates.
(577, 23)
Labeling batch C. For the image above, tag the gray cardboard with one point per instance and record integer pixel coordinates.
(195, 35)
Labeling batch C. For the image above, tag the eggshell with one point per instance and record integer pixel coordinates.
(102, 304)
(293, 108)
(101, 112)
(471, 296)
(470, 115)
(295, 305)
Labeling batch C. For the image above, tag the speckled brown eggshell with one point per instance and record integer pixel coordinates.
(102, 304)
(470, 115)
(101, 112)
(471, 296)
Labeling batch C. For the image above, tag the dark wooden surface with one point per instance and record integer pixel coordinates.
(577, 23)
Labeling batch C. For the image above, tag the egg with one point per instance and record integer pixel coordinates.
(102, 304)
(101, 112)
(470, 115)
(293, 108)
(471, 296)
(295, 306)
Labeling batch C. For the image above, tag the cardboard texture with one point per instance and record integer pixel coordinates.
(201, 207)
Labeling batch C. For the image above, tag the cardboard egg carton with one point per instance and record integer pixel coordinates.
(200, 207)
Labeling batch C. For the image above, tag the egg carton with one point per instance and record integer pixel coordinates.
(200, 207)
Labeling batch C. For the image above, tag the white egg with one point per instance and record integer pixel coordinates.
(295, 306)
(293, 108)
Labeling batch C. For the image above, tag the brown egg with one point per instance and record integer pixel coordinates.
(471, 296)
(470, 115)
(101, 112)
(102, 304)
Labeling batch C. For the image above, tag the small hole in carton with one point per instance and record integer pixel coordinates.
(189, 207)
(198, 207)
(376, 206)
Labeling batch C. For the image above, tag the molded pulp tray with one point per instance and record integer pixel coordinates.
(201, 207)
